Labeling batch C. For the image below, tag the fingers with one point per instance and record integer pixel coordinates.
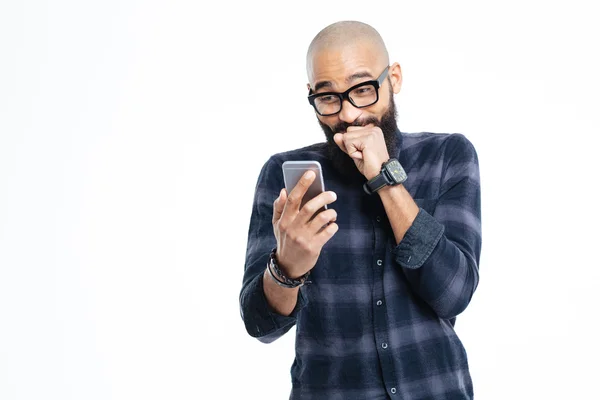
(354, 141)
(353, 146)
(327, 233)
(359, 139)
(322, 219)
(294, 198)
(351, 142)
(315, 204)
(298, 232)
(360, 128)
(355, 151)
(278, 205)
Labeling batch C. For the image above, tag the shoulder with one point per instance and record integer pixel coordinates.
(446, 142)
(437, 148)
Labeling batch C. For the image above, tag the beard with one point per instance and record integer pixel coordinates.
(341, 161)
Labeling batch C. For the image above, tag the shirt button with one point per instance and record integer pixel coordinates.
(384, 345)
(393, 390)
(379, 262)
(378, 218)
(379, 302)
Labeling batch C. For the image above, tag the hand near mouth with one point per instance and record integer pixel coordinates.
(366, 146)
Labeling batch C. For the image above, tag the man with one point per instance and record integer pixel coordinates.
(374, 283)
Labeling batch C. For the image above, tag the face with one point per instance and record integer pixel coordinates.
(337, 70)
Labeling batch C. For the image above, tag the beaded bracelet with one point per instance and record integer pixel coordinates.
(283, 280)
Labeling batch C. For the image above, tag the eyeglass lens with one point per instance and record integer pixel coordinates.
(362, 96)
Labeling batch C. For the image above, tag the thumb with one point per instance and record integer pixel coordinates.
(279, 205)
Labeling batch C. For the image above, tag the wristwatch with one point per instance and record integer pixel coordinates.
(391, 174)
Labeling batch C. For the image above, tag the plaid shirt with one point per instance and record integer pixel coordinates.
(377, 321)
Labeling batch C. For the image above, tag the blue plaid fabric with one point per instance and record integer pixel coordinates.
(377, 321)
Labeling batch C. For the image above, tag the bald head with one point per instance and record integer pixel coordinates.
(343, 34)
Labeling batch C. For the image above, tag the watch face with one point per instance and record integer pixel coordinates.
(396, 171)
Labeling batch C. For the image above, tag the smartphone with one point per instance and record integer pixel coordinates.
(294, 170)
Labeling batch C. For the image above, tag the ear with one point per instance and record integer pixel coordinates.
(396, 77)
(308, 86)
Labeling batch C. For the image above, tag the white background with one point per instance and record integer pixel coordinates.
(131, 137)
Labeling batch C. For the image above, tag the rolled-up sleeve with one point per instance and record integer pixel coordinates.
(261, 321)
(419, 241)
(439, 253)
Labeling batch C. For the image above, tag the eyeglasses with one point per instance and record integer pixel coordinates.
(362, 95)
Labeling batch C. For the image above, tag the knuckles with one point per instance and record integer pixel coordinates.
(281, 226)
(308, 209)
(293, 199)
(300, 241)
(327, 216)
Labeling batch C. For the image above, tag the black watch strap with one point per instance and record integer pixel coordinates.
(391, 174)
(376, 183)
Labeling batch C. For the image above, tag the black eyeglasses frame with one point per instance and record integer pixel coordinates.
(377, 83)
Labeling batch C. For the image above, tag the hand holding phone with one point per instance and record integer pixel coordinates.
(301, 221)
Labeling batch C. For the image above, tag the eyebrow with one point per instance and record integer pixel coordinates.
(349, 79)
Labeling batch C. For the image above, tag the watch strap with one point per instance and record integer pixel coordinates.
(376, 183)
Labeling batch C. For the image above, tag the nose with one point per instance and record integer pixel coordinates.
(349, 113)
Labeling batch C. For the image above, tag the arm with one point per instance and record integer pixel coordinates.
(439, 253)
(260, 319)
(259, 305)
(268, 310)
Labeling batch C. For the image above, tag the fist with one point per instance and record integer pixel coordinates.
(366, 146)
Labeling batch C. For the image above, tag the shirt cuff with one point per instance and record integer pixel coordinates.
(264, 319)
(419, 241)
